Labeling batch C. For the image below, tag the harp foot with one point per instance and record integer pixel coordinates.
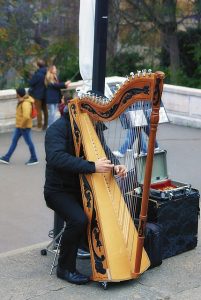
(104, 284)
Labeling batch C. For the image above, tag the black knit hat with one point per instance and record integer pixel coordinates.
(21, 92)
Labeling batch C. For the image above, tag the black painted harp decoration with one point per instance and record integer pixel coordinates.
(133, 92)
(87, 192)
(76, 132)
(95, 230)
(75, 129)
(112, 110)
(157, 94)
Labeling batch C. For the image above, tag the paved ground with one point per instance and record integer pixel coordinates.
(24, 218)
(25, 222)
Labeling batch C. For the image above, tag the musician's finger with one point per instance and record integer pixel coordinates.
(109, 166)
(116, 168)
(104, 159)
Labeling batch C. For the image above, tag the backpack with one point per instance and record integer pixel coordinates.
(33, 111)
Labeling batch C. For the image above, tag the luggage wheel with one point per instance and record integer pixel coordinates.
(104, 284)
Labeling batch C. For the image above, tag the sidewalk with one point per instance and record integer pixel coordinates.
(24, 273)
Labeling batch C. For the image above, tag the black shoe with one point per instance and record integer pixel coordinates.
(74, 277)
(81, 253)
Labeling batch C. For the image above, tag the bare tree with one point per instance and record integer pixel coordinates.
(160, 17)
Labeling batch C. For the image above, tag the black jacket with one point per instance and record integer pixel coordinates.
(37, 85)
(62, 167)
(53, 92)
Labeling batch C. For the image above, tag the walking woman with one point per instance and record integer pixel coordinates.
(53, 92)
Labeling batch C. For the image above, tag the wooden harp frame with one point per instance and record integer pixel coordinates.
(121, 260)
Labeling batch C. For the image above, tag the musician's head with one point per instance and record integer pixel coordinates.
(63, 107)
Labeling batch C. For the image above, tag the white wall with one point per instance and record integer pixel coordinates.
(183, 105)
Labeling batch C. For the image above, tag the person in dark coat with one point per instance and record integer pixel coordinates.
(53, 92)
(37, 91)
(63, 195)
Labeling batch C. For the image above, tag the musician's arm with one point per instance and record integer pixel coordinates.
(57, 157)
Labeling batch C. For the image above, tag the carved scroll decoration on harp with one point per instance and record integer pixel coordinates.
(116, 247)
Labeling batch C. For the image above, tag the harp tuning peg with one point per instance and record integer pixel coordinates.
(96, 99)
(127, 78)
(139, 73)
(144, 71)
(132, 74)
(104, 100)
(149, 72)
(101, 100)
(93, 97)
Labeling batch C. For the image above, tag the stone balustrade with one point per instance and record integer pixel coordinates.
(183, 106)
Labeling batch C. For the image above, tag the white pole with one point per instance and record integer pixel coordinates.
(86, 41)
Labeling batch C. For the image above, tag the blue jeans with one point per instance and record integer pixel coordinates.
(26, 133)
(130, 139)
(52, 110)
(147, 131)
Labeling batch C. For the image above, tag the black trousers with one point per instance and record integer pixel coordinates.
(68, 206)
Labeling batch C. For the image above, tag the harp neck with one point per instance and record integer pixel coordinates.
(146, 87)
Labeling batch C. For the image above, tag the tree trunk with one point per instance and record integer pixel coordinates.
(170, 41)
(113, 27)
(174, 57)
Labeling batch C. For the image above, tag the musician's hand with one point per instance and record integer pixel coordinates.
(120, 170)
(103, 165)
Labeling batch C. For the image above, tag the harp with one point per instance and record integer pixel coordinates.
(116, 244)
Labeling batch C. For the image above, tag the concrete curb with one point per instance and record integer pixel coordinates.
(24, 249)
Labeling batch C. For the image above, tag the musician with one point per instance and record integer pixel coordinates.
(62, 192)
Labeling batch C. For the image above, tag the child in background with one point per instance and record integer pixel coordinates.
(23, 127)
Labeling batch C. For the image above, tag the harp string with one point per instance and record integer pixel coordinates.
(113, 135)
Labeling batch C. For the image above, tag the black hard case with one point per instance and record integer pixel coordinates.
(152, 242)
(176, 209)
(162, 187)
(179, 221)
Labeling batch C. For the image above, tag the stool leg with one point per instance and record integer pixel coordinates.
(56, 253)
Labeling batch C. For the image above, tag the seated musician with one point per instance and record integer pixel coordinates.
(62, 192)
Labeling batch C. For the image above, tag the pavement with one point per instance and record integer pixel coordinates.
(25, 222)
